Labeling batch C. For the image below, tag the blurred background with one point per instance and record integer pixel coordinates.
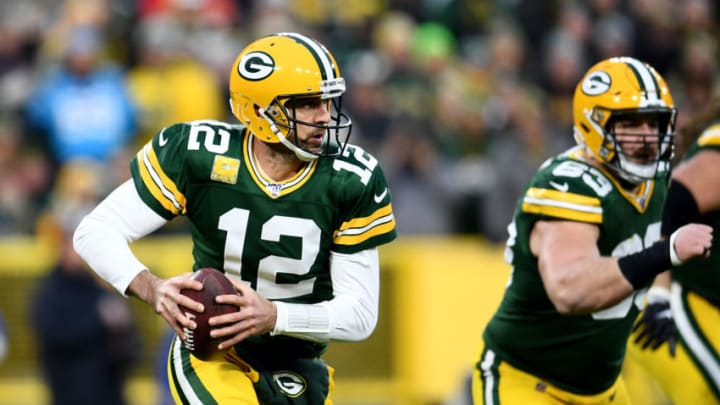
(460, 101)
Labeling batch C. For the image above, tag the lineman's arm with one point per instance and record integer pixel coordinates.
(576, 277)
(579, 280)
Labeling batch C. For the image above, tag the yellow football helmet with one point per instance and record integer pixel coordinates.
(623, 88)
(271, 73)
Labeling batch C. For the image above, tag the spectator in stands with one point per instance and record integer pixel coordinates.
(83, 109)
(24, 179)
(167, 83)
(86, 335)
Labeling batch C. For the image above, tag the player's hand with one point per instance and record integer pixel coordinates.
(656, 325)
(164, 296)
(692, 240)
(257, 316)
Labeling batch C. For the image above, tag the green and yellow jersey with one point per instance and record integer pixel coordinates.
(580, 353)
(701, 274)
(274, 236)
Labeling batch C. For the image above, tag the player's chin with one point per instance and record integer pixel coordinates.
(314, 144)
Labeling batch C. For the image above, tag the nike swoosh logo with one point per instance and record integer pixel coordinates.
(162, 140)
(379, 197)
(560, 187)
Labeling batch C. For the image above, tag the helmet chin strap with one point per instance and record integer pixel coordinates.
(301, 154)
(634, 172)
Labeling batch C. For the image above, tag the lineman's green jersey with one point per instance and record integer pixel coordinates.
(580, 353)
(701, 274)
(274, 236)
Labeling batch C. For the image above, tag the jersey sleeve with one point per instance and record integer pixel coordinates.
(366, 218)
(158, 171)
(567, 190)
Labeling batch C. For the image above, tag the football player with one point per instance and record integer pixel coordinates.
(584, 241)
(283, 204)
(688, 368)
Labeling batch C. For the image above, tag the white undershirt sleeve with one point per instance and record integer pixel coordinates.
(102, 239)
(351, 315)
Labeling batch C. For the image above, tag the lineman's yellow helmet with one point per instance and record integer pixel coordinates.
(623, 88)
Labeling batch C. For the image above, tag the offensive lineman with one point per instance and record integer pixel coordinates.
(583, 244)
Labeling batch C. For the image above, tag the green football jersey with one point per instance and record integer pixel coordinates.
(701, 274)
(579, 353)
(274, 236)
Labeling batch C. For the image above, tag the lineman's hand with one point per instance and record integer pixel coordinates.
(692, 240)
(656, 325)
(257, 316)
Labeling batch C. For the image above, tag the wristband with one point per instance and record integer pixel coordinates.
(674, 259)
(641, 268)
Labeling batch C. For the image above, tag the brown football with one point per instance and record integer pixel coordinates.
(198, 341)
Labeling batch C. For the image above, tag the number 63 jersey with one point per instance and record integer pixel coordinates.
(275, 236)
(577, 352)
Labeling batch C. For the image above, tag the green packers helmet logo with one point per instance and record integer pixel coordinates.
(256, 66)
(596, 83)
(291, 384)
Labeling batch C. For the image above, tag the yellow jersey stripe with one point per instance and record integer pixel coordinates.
(563, 213)
(710, 136)
(570, 198)
(354, 236)
(165, 180)
(564, 205)
(364, 222)
(158, 183)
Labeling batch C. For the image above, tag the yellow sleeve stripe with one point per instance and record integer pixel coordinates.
(563, 205)
(710, 137)
(159, 184)
(359, 230)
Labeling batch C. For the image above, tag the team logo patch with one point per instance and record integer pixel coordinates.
(225, 169)
(256, 65)
(596, 83)
(291, 384)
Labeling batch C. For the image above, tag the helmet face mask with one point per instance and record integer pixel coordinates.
(641, 156)
(274, 77)
(283, 113)
(626, 92)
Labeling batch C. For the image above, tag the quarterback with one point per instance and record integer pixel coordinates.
(584, 244)
(282, 204)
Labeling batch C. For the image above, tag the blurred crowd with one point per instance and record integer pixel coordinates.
(461, 100)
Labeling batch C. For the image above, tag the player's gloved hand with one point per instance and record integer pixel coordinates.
(656, 325)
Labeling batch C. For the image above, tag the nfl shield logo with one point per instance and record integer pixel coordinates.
(274, 189)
